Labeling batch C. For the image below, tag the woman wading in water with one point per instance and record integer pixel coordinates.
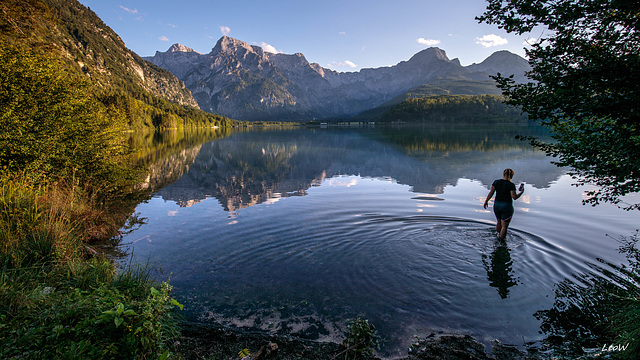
(505, 192)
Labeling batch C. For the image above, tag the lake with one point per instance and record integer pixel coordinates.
(295, 231)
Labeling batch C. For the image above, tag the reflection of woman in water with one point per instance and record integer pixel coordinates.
(505, 192)
(499, 269)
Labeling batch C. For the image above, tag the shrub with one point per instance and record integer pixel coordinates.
(362, 339)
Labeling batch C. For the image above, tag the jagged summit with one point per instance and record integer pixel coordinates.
(230, 45)
(432, 53)
(180, 48)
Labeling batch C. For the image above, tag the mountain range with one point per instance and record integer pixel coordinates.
(244, 82)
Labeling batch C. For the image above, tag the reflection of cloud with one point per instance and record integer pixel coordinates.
(342, 181)
(232, 222)
(423, 205)
(172, 213)
(272, 200)
(482, 211)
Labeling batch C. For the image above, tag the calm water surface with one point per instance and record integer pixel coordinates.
(296, 231)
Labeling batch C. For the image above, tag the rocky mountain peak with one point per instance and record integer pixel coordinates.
(504, 56)
(504, 62)
(430, 54)
(180, 48)
(228, 44)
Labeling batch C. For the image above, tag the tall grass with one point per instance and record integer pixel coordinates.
(58, 300)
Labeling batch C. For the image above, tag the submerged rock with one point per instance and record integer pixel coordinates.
(448, 347)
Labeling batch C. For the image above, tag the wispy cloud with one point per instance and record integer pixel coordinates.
(163, 38)
(343, 64)
(491, 40)
(225, 30)
(173, 26)
(269, 48)
(130, 11)
(428, 42)
(342, 33)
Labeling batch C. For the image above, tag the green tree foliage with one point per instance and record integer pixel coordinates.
(453, 108)
(51, 127)
(585, 86)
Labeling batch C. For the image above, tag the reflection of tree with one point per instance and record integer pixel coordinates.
(499, 269)
(449, 137)
(598, 309)
(166, 155)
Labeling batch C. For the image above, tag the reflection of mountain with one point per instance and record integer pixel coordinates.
(167, 155)
(249, 168)
(170, 168)
(240, 174)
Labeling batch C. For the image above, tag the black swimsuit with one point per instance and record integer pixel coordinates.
(503, 205)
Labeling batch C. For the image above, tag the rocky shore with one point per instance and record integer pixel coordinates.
(213, 342)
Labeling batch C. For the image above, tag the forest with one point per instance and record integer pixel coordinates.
(454, 108)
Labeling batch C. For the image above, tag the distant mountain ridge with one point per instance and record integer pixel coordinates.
(243, 81)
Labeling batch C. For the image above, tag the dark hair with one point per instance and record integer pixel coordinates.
(508, 173)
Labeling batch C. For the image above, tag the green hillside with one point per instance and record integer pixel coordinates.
(436, 87)
(129, 87)
(447, 108)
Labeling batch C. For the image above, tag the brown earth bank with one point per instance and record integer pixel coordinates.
(208, 342)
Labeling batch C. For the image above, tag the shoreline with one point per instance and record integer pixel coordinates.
(215, 341)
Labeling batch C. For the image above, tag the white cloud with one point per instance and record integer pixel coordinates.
(225, 30)
(428, 42)
(530, 42)
(491, 40)
(163, 38)
(269, 48)
(343, 63)
(173, 26)
(342, 33)
(130, 11)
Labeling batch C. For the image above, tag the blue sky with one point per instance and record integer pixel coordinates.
(341, 35)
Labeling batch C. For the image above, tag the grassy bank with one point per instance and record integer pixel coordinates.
(58, 298)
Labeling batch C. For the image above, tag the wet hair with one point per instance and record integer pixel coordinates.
(508, 173)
